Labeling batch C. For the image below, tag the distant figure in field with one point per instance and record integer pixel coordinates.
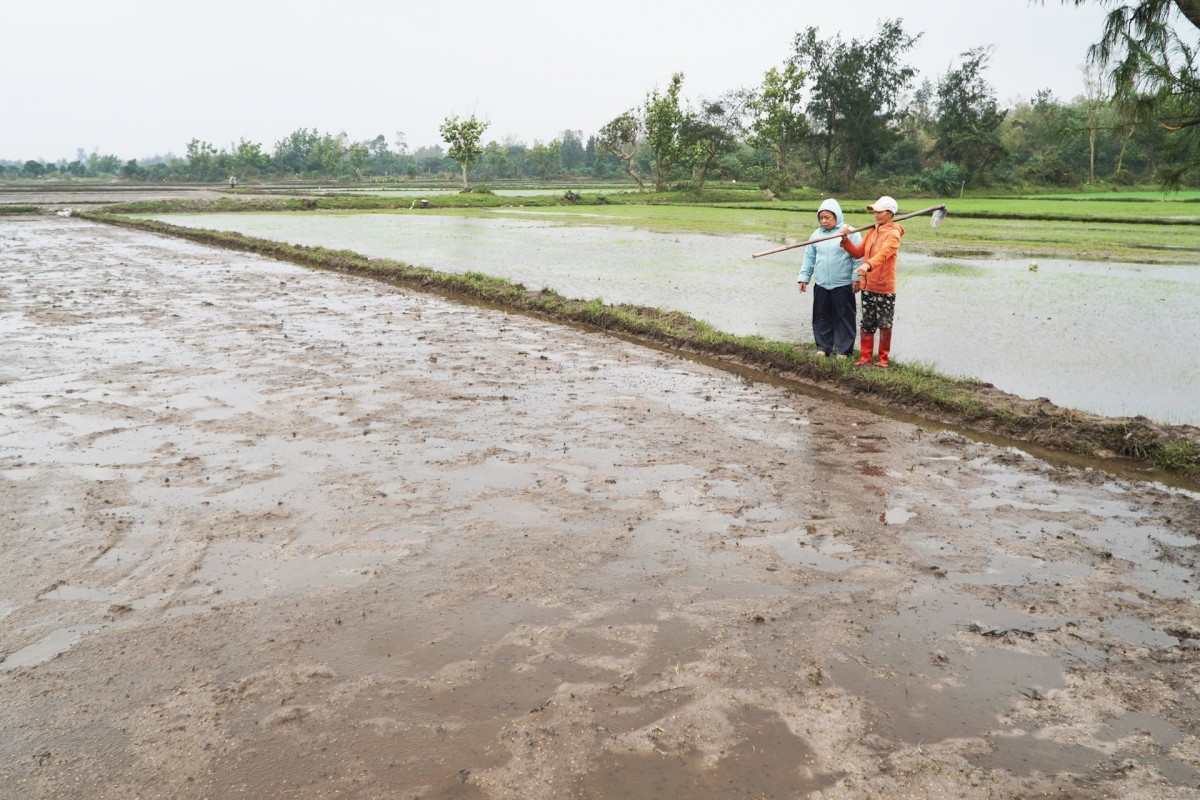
(232, 182)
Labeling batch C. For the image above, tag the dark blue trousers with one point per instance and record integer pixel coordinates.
(833, 320)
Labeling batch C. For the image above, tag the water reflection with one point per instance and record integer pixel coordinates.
(1087, 335)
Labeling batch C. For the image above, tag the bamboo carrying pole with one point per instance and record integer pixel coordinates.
(938, 212)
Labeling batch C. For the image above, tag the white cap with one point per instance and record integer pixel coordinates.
(884, 203)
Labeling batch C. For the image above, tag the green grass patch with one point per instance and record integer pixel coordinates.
(1154, 195)
(956, 269)
(1180, 455)
(15, 209)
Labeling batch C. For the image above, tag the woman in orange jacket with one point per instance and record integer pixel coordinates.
(878, 252)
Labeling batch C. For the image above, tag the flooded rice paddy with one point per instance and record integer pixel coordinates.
(1100, 337)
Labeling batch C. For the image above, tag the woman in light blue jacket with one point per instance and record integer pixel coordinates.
(830, 270)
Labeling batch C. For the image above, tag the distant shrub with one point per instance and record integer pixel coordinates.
(945, 179)
(1048, 172)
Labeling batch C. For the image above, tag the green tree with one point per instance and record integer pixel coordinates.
(1033, 127)
(516, 152)
(160, 171)
(712, 131)
(248, 159)
(201, 161)
(430, 160)
(378, 147)
(329, 152)
(1152, 49)
(620, 137)
(663, 120)
(462, 136)
(573, 155)
(133, 171)
(544, 160)
(589, 152)
(381, 160)
(357, 155)
(294, 153)
(496, 164)
(378, 158)
(103, 165)
(915, 124)
(969, 117)
(855, 90)
(1095, 100)
(1047, 140)
(778, 123)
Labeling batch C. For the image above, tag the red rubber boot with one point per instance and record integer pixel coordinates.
(867, 344)
(885, 346)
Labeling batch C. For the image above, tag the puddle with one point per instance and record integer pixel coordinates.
(1008, 570)
(928, 677)
(49, 646)
(766, 760)
(80, 593)
(241, 570)
(445, 688)
(1136, 632)
(1024, 753)
(822, 551)
(1127, 597)
(1147, 548)
(493, 475)
(660, 547)
(1035, 342)
(1112, 529)
(1163, 737)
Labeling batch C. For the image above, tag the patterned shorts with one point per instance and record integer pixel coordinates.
(877, 311)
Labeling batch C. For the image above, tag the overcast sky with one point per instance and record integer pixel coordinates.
(137, 78)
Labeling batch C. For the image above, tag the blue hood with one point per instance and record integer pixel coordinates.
(831, 205)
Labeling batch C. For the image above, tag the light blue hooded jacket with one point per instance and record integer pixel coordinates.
(825, 263)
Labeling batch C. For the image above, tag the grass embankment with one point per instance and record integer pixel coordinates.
(4, 209)
(914, 389)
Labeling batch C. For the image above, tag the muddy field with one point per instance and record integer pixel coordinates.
(274, 533)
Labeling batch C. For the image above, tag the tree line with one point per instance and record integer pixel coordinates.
(837, 112)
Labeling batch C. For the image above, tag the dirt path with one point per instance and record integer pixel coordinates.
(274, 533)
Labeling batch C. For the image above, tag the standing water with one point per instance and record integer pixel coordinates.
(1098, 337)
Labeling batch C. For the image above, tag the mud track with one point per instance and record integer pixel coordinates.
(270, 532)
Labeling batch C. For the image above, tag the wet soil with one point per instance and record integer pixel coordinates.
(989, 319)
(270, 532)
(1128, 444)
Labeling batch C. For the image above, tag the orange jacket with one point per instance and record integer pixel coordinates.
(878, 250)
